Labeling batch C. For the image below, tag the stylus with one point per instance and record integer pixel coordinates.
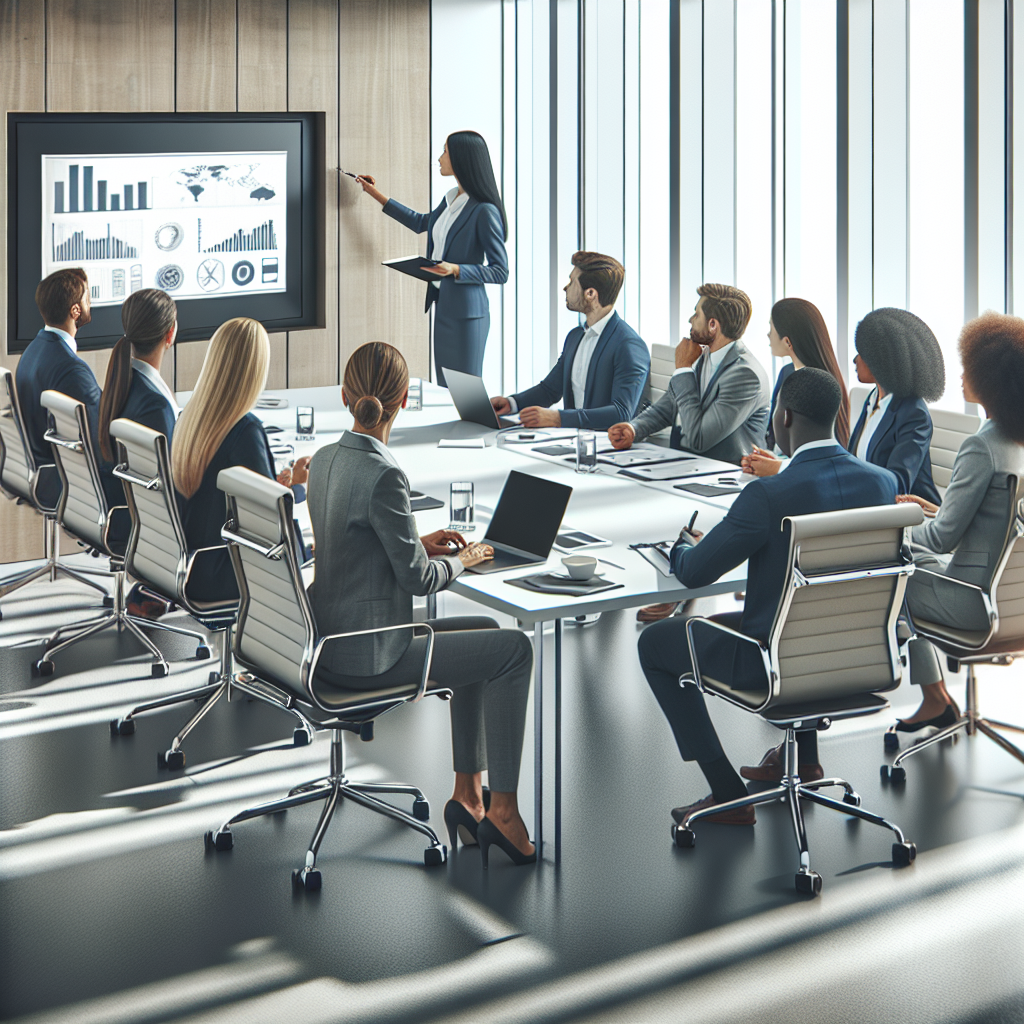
(693, 519)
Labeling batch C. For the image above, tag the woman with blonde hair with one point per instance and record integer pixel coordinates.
(217, 430)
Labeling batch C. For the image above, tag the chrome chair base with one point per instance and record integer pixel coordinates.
(971, 721)
(791, 791)
(331, 789)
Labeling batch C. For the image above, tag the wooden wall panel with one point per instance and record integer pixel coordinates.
(22, 87)
(313, 85)
(207, 80)
(384, 131)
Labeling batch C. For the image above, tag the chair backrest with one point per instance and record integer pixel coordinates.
(17, 464)
(834, 633)
(83, 504)
(275, 635)
(1007, 592)
(157, 552)
(949, 431)
(663, 364)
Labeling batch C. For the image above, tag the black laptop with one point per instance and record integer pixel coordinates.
(525, 522)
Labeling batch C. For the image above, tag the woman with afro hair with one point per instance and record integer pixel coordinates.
(966, 535)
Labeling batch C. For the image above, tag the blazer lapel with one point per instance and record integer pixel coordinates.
(884, 426)
(430, 228)
(606, 338)
(731, 356)
(460, 222)
(572, 346)
(859, 428)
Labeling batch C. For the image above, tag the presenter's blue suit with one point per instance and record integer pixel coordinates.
(48, 364)
(902, 444)
(615, 378)
(818, 480)
(476, 242)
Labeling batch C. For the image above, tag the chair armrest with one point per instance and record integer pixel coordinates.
(858, 574)
(952, 581)
(424, 679)
(54, 438)
(267, 550)
(122, 472)
(698, 623)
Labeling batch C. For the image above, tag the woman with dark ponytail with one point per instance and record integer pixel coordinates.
(370, 562)
(467, 234)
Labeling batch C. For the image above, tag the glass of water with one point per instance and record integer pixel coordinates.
(461, 505)
(586, 451)
(415, 401)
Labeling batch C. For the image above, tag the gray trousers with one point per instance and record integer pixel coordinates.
(924, 603)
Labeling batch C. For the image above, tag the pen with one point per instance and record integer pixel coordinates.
(612, 564)
(349, 173)
(693, 519)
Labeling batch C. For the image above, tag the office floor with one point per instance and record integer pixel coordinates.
(112, 911)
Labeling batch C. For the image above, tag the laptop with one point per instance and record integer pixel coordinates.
(471, 399)
(525, 522)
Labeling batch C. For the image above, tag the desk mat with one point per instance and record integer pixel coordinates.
(552, 583)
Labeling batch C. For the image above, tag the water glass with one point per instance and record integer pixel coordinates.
(461, 504)
(586, 451)
(415, 400)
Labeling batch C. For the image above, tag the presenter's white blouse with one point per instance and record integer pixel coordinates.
(446, 218)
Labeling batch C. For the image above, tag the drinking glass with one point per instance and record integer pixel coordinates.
(415, 401)
(586, 451)
(461, 504)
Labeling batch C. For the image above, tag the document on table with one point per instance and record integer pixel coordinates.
(658, 553)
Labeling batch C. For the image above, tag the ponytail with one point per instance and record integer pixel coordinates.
(115, 392)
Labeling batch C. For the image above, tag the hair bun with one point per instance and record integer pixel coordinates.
(368, 411)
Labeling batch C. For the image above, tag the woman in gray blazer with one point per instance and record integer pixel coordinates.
(966, 535)
(370, 562)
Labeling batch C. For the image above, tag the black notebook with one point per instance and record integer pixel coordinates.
(413, 266)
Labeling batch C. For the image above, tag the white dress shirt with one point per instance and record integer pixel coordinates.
(153, 376)
(584, 354)
(446, 218)
(68, 340)
(871, 425)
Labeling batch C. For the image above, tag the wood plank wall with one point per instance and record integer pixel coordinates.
(366, 63)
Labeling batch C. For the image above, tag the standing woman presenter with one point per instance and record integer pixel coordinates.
(467, 233)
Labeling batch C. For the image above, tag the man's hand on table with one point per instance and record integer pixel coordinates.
(535, 416)
(621, 435)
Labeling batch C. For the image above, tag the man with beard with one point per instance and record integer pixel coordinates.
(717, 400)
(51, 363)
(601, 371)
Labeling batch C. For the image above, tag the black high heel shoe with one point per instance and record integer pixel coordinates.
(461, 823)
(948, 717)
(488, 834)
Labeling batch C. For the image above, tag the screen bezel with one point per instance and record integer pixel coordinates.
(301, 134)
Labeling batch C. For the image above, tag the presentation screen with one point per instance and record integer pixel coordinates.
(228, 228)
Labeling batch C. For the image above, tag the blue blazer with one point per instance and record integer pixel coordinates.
(615, 378)
(476, 236)
(819, 480)
(769, 437)
(901, 443)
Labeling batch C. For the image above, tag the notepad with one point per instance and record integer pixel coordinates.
(413, 266)
(462, 442)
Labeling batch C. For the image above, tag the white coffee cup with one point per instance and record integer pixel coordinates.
(580, 567)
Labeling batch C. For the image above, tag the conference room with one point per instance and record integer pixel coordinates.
(512, 511)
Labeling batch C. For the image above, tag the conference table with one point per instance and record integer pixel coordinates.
(621, 510)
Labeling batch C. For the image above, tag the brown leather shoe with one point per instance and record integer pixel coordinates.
(771, 769)
(734, 816)
(656, 612)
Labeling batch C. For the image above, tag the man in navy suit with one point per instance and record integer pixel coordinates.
(51, 363)
(603, 366)
(821, 476)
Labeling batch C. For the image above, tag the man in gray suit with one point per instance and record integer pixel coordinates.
(717, 400)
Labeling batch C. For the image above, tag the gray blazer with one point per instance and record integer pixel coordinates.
(971, 523)
(724, 423)
(369, 559)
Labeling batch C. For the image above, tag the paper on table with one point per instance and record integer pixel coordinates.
(462, 442)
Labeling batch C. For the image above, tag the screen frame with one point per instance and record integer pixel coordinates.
(301, 306)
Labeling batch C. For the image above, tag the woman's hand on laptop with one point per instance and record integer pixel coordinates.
(443, 542)
(535, 416)
(474, 554)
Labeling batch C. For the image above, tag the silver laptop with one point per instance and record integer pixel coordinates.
(525, 521)
(471, 399)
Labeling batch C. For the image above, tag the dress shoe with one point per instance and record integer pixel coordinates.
(657, 612)
(771, 769)
(948, 717)
(733, 816)
(460, 824)
(490, 835)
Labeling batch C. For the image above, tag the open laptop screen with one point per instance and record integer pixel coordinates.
(528, 514)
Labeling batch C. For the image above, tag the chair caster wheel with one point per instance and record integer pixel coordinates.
(213, 678)
(108, 602)
(172, 759)
(892, 740)
(202, 652)
(903, 854)
(300, 738)
(308, 879)
(853, 799)
(44, 667)
(218, 841)
(159, 669)
(897, 774)
(435, 855)
(122, 726)
(684, 838)
(421, 810)
(808, 882)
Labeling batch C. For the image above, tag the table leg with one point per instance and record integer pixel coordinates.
(547, 725)
(538, 737)
(431, 606)
(557, 794)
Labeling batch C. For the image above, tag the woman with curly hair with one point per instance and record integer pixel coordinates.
(964, 538)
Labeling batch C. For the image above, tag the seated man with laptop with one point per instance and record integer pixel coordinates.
(821, 476)
(599, 376)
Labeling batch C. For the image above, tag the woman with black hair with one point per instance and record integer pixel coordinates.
(467, 233)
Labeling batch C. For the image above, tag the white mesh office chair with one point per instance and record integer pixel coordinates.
(832, 651)
(949, 431)
(276, 639)
(663, 365)
(1002, 604)
(20, 480)
(83, 512)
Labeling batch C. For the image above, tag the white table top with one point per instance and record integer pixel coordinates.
(622, 510)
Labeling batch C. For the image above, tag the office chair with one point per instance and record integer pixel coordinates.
(949, 431)
(83, 512)
(20, 479)
(1002, 604)
(831, 651)
(159, 557)
(277, 642)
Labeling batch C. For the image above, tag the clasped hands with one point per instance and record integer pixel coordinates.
(295, 474)
(441, 543)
